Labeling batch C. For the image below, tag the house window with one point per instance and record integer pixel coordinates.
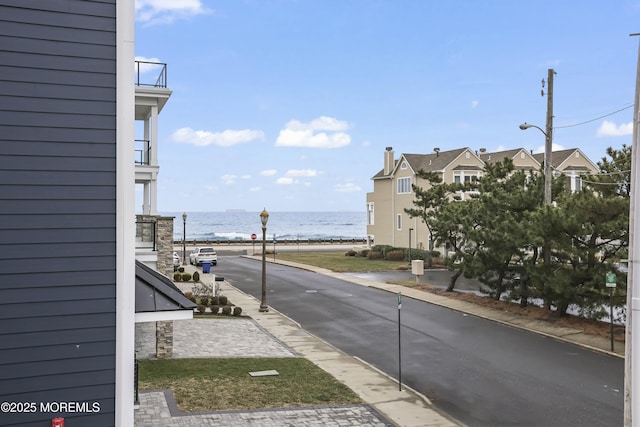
(404, 185)
(574, 182)
(399, 222)
(370, 215)
(403, 165)
(462, 176)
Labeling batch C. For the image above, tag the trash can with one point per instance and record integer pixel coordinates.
(206, 267)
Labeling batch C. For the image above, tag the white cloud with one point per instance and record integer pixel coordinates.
(254, 189)
(323, 132)
(269, 172)
(321, 123)
(301, 172)
(474, 104)
(225, 138)
(152, 12)
(229, 179)
(348, 187)
(285, 180)
(608, 128)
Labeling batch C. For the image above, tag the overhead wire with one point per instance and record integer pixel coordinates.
(597, 118)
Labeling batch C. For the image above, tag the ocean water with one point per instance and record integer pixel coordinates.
(284, 225)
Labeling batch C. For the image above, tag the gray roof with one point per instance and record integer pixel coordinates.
(557, 157)
(156, 292)
(428, 162)
(500, 155)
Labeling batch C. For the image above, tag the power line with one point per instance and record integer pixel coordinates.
(597, 118)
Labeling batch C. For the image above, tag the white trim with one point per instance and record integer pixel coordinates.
(160, 316)
(125, 213)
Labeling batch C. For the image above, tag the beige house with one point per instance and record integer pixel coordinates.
(389, 224)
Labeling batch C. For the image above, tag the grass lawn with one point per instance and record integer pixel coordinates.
(339, 262)
(220, 384)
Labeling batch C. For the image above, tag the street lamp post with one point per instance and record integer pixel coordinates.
(264, 217)
(410, 230)
(184, 238)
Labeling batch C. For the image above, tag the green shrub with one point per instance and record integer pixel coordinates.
(177, 277)
(181, 269)
(186, 277)
(226, 310)
(364, 253)
(202, 308)
(383, 249)
(196, 276)
(351, 253)
(215, 309)
(374, 255)
(237, 311)
(222, 300)
(395, 255)
(215, 301)
(204, 301)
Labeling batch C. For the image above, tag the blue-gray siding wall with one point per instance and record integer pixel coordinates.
(57, 210)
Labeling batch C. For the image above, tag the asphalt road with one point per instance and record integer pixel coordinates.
(478, 371)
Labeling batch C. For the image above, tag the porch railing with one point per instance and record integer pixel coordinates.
(146, 73)
(146, 235)
(143, 151)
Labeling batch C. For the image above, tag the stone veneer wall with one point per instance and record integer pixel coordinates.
(164, 339)
(164, 244)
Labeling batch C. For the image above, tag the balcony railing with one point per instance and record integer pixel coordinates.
(146, 235)
(146, 72)
(143, 151)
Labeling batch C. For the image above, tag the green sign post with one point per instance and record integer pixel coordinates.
(399, 343)
(610, 282)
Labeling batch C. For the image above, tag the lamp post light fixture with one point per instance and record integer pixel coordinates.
(547, 161)
(264, 217)
(184, 238)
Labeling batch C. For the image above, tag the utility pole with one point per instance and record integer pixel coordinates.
(548, 172)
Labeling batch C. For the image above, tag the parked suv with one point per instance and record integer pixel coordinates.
(204, 254)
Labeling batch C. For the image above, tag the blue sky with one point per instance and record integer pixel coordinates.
(289, 104)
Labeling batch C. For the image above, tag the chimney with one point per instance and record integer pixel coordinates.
(388, 160)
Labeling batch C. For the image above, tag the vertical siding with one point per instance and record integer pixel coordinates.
(57, 209)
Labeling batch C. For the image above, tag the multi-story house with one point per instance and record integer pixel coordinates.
(154, 233)
(389, 224)
(68, 273)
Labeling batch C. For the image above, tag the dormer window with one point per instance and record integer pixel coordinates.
(403, 165)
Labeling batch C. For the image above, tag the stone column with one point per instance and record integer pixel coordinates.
(164, 339)
(164, 244)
